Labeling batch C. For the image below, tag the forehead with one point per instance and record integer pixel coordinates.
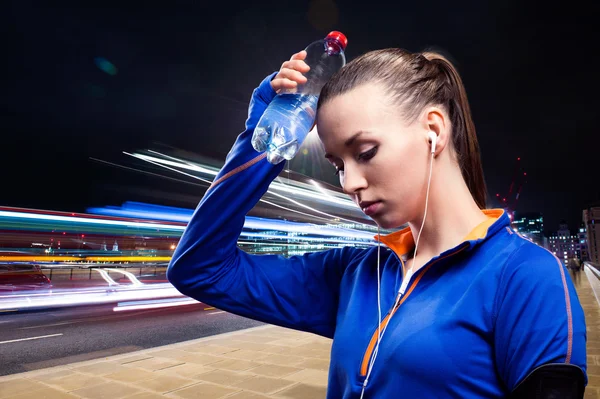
(365, 108)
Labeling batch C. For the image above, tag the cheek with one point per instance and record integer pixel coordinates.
(399, 178)
(389, 170)
(402, 167)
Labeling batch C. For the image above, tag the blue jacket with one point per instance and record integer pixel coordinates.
(474, 322)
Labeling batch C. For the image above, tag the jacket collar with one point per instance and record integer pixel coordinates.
(402, 241)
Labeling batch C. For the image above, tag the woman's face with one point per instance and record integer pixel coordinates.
(381, 158)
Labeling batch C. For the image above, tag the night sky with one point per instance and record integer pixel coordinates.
(185, 71)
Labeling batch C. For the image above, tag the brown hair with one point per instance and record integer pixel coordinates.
(416, 80)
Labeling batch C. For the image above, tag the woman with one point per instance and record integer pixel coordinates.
(472, 310)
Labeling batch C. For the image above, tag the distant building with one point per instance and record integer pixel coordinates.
(530, 225)
(565, 245)
(591, 220)
(583, 245)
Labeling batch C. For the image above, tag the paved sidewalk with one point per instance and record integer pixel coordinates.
(262, 362)
(583, 282)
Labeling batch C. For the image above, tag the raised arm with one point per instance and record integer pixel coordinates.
(300, 292)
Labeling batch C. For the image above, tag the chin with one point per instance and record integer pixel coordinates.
(387, 221)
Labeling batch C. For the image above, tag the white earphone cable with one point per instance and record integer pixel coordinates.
(400, 292)
(378, 314)
(425, 213)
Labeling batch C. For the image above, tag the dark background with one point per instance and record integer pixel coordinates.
(185, 71)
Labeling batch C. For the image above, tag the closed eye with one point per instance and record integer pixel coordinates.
(365, 156)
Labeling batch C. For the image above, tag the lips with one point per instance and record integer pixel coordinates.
(370, 207)
(365, 204)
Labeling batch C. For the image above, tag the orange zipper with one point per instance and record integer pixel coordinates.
(369, 352)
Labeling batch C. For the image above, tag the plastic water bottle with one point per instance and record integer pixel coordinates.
(289, 117)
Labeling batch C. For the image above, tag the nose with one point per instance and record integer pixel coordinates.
(352, 181)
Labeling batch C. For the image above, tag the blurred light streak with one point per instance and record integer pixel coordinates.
(215, 170)
(33, 258)
(127, 274)
(270, 244)
(129, 213)
(139, 305)
(274, 185)
(128, 258)
(302, 238)
(253, 223)
(143, 214)
(294, 210)
(50, 258)
(321, 189)
(24, 215)
(179, 164)
(106, 277)
(95, 296)
(312, 195)
(305, 228)
(317, 211)
(116, 165)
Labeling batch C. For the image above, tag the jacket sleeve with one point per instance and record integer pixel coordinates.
(299, 292)
(538, 317)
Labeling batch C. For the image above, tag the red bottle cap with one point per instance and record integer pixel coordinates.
(340, 37)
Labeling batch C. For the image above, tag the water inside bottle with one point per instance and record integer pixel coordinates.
(284, 125)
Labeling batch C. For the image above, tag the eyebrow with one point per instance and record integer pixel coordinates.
(350, 141)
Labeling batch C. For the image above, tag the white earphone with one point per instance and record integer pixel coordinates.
(433, 139)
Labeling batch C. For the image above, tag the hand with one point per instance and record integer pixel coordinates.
(291, 73)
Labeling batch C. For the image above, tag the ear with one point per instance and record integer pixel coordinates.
(436, 120)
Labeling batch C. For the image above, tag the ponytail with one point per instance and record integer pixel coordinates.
(464, 136)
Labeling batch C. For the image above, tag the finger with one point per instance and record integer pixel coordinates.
(298, 65)
(299, 56)
(292, 75)
(283, 83)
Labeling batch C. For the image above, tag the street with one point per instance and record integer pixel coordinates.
(33, 340)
